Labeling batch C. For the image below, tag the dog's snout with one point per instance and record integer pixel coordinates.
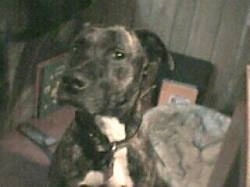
(75, 82)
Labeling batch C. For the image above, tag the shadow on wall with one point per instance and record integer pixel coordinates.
(29, 34)
(4, 86)
(37, 17)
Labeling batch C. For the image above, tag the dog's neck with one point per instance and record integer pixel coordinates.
(102, 133)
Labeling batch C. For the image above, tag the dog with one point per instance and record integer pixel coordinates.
(109, 72)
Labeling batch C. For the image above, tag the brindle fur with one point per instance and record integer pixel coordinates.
(97, 82)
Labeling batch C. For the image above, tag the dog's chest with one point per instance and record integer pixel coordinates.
(115, 131)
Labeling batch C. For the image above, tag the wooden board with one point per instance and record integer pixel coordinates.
(237, 141)
(182, 25)
(157, 16)
(143, 13)
(247, 176)
(230, 149)
(204, 28)
(225, 52)
(162, 18)
(238, 74)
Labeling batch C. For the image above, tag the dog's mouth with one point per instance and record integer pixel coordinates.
(66, 95)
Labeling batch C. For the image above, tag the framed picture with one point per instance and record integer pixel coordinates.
(48, 77)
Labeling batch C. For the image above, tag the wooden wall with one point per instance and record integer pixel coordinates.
(213, 30)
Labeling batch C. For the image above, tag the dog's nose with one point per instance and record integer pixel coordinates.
(75, 82)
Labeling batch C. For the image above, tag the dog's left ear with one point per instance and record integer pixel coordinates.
(159, 63)
(155, 49)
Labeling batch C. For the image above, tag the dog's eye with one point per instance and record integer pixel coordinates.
(118, 55)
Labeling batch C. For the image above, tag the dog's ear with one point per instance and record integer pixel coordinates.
(159, 63)
(154, 48)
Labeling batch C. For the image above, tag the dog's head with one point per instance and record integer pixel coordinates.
(106, 71)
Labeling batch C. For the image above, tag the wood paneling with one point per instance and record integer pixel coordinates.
(182, 25)
(237, 79)
(143, 13)
(229, 150)
(225, 52)
(204, 28)
(247, 174)
(158, 18)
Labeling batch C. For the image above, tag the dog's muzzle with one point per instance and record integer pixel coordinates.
(74, 83)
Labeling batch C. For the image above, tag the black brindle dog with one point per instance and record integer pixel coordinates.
(106, 78)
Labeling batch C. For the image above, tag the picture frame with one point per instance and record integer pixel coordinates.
(48, 75)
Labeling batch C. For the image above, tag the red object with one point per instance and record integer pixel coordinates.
(177, 92)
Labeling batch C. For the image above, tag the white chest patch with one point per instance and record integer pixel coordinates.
(115, 131)
(111, 127)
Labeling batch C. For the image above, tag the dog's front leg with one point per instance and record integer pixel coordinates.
(64, 169)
